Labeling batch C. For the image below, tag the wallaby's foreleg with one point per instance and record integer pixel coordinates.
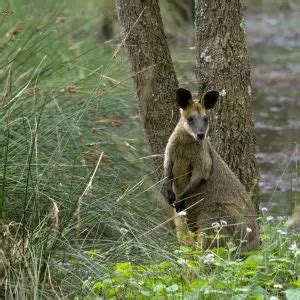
(169, 177)
(189, 191)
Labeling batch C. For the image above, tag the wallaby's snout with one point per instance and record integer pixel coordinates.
(200, 127)
(200, 135)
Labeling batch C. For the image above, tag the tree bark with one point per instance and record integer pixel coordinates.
(153, 72)
(222, 63)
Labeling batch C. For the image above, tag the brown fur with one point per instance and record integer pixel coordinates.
(194, 106)
(220, 197)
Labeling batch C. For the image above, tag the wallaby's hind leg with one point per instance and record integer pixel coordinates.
(184, 236)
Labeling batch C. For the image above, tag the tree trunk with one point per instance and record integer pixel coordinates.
(153, 72)
(222, 63)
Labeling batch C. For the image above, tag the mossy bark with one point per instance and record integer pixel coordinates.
(153, 72)
(222, 63)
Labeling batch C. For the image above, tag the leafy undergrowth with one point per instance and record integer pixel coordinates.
(192, 273)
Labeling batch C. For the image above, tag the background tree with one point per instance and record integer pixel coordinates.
(153, 72)
(222, 63)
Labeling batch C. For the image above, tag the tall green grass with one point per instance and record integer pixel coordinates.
(64, 102)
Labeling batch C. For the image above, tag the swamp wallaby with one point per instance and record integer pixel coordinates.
(201, 184)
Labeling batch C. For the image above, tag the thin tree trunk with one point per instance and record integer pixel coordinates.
(153, 72)
(222, 63)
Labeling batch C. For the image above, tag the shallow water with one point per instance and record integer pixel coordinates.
(274, 48)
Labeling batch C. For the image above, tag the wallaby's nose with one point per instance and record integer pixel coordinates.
(200, 135)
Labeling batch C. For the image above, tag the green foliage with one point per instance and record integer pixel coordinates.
(191, 273)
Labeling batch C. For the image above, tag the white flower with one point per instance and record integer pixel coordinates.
(223, 93)
(273, 298)
(248, 229)
(294, 248)
(209, 258)
(270, 218)
(181, 213)
(181, 261)
(264, 209)
(123, 230)
(282, 232)
(277, 286)
(215, 224)
(223, 222)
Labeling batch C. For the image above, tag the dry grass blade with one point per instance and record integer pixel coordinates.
(86, 190)
(128, 33)
(7, 91)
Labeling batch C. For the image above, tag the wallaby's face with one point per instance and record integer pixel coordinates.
(193, 113)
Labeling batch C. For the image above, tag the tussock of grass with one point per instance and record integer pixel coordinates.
(64, 101)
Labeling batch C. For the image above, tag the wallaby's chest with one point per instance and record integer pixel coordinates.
(188, 161)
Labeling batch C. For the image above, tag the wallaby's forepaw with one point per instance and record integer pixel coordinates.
(180, 205)
(171, 198)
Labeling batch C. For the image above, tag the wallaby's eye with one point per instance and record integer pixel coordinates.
(205, 118)
(190, 119)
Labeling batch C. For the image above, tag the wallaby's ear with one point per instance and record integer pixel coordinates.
(183, 97)
(210, 99)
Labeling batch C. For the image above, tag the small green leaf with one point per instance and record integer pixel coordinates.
(257, 291)
(97, 287)
(123, 265)
(111, 292)
(239, 297)
(158, 287)
(107, 282)
(199, 283)
(124, 268)
(256, 297)
(295, 283)
(221, 252)
(146, 293)
(253, 261)
(292, 294)
(173, 288)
